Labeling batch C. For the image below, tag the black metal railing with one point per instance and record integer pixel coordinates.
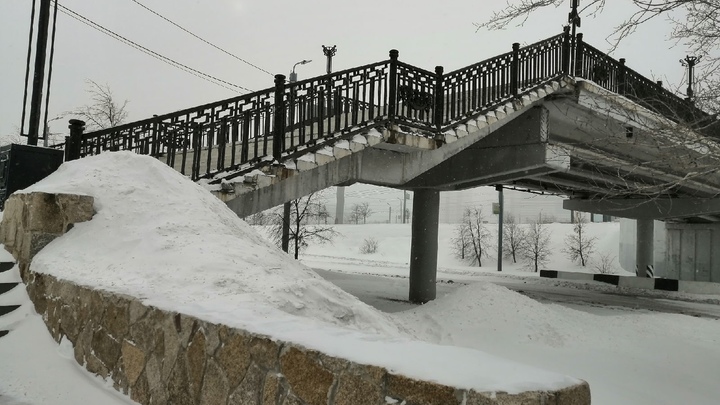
(279, 123)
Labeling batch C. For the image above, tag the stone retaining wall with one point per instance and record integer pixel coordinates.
(162, 357)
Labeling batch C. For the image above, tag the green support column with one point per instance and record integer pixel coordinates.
(424, 245)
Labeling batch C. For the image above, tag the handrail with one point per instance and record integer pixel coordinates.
(290, 119)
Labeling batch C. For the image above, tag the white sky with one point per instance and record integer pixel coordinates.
(274, 34)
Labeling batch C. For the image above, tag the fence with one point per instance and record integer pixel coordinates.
(291, 119)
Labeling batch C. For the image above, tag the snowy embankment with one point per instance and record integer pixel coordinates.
(629, 357)
(159, 237)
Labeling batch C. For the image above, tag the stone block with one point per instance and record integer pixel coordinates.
(116, 320)
(178, 392)
(576, 395)
(215, 388)
(140, 392)
(265, 352)
(133, 361)
(233, 357)
(43, 214)
(250, 389)
(106, 348)
(196, 363)
(271, 389)
(306, 377)
(420, 392)
(353, 389)
(32, 243)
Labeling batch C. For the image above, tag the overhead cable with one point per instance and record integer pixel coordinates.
(201, 39)
(195, 72)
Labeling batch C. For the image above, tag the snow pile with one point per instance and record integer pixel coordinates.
(495, 314)
(165, 240)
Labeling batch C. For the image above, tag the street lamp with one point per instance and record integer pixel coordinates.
(690, 62)
(293, 75)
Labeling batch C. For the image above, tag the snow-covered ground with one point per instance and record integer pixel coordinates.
(207, 263)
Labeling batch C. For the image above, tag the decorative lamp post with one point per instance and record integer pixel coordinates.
(690, 62)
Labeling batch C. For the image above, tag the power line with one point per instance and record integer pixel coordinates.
(201, 39)
(169, 61)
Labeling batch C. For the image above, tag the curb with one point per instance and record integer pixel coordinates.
(662, 284)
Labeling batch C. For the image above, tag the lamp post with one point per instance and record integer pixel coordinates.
(286, 206)
(690, 62)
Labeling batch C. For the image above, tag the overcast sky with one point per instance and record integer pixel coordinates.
(273, 35)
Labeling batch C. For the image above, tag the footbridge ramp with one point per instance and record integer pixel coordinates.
(556, 116)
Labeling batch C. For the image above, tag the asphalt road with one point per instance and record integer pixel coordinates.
(390, 294)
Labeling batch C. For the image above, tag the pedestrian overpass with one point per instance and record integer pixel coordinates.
(557, 116)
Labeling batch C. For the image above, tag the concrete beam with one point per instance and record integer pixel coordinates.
(518, 149)
(651, 208)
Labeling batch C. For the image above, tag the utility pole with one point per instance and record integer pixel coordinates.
(501, 203)
(286, 206)
(39, 75)
(404, 208)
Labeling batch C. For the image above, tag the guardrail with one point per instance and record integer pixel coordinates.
(240, 133)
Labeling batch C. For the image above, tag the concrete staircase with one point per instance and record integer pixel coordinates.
(229, 186)
(9, 280)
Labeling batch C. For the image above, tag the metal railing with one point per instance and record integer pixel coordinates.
(242, 133)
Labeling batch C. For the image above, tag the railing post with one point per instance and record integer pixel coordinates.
(439, 105)
(392, 91)
(579, 55)
(566, 49)
(279, 118)
(622, 85)
(155, 147)
(515, 69)
(73, 143)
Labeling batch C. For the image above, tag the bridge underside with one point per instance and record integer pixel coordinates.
(606, 154)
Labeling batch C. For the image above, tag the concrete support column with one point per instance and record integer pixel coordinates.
(424, 245)
(644, 254)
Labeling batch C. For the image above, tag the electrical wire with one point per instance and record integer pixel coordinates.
(201, 39)
(27, 69)
(212, 79)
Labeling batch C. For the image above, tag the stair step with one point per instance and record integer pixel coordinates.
(6, 309)
(5, 266)
(4, 332)
(5, 287)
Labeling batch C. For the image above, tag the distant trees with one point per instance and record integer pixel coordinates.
(537, 248)
(301, 233)
(514, 238)
(472, 239)
(578, 245)
(360, 212)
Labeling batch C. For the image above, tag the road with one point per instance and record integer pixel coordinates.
(389, 294)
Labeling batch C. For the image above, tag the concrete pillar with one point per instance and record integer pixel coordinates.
(424, 245)
(340, 205)
(644, 254)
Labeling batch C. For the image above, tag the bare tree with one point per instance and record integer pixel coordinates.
(104, 111)
(472, 239)
(537, 251)
(578, 245)
(301, 234)
(514, 237)
(259, 219)
(360, 212)
(605, 264)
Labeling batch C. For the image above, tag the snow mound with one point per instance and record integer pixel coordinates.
(161, 238)
(487, 311)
